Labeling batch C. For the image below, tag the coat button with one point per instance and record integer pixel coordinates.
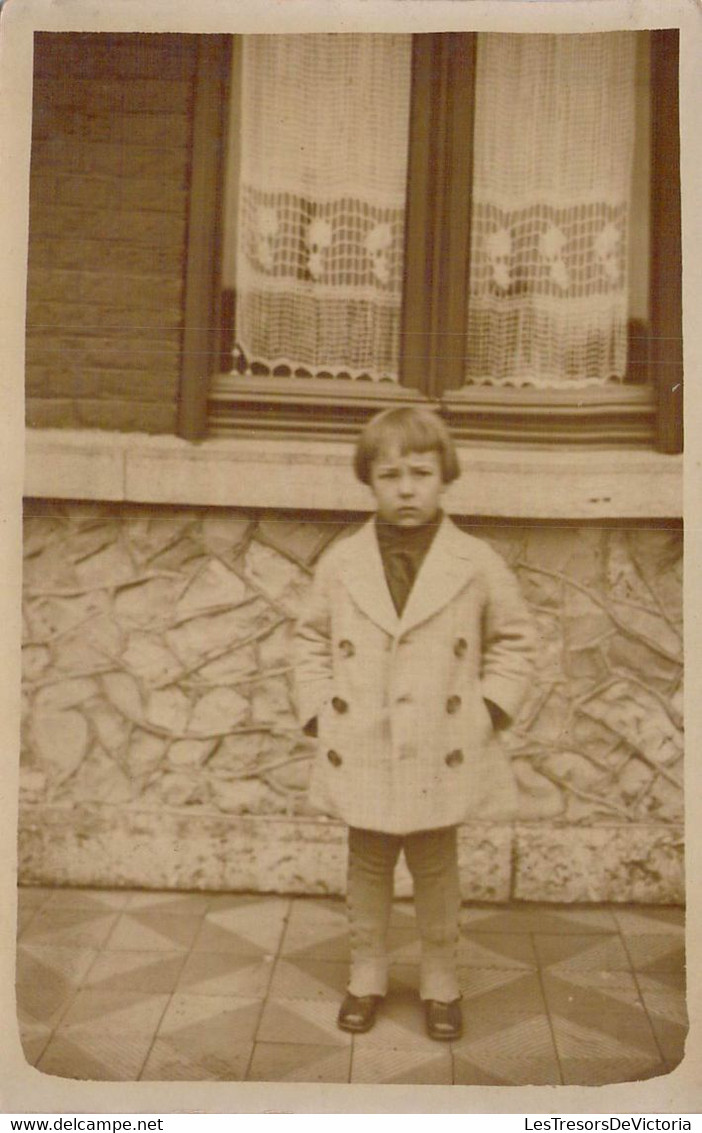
(454, 757)
(453, 704)
(339, 705)
(459, 646)
(347, 648)
(334, 758)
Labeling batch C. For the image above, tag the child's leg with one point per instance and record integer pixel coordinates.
(432, 857)
(372, 860)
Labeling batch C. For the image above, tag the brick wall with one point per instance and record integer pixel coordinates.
(108, 217)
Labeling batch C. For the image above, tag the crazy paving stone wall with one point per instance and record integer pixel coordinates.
(157, 666)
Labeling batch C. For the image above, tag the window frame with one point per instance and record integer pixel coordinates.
(665, 353)
(204, 233)
(435, 291)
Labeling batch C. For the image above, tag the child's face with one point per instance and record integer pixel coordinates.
(407, 488)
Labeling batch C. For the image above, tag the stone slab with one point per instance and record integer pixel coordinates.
(70, 464)
(282, 472)
(173, 849)
(638, 863)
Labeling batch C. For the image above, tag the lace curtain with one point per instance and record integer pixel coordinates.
(324, 140)
(554, 138)
(323, 166)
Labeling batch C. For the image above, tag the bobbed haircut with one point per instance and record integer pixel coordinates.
(406, 429)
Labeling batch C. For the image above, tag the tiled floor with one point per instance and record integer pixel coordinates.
(124, 985)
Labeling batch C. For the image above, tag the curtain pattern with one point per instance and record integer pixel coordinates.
(324, 138)
(554, 138)
(323, 167)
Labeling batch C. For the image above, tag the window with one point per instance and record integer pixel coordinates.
(438, 291)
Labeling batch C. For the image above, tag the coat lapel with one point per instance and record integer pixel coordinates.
(364, 578)
(446, 570)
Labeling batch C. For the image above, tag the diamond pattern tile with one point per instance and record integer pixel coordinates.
(207, 1019)
(34, 1037)
(256, 923)
(317, 913)
(181, 1058)
(104, 1035)
(599, 1021)
(591, 1057)
(69, 928)
(24, 916)
(310, 979)
(260, 908)
(401, 1066)
(226, 973)
(114, 1010)
(118, 985)
(94, 1054)
(399, 1026)
(610, 999)
(491, 950)
(520, 1053)
(248, 929)
(491, 1009)
(579, 983)
(325, 943)
(32, 897)
(307, 1021)
(506, 1038)
(593, 951)
(150, 972)
(478, 982)
(99, 900)
(204, 1037)
(150, 930)
(663, 995)
(402, 915)
(175, 904)
(48, 978)
(293, 1062)
(403, 943)
(656, 952)
(403, 980)
(646, 920)
(538, 918)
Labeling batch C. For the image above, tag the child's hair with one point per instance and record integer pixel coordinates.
(407, 429)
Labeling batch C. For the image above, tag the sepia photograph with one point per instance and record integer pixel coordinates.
(352, 733)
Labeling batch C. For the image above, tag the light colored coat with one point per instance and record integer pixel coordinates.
(405, 739)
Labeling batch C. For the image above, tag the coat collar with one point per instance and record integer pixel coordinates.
(447, 568)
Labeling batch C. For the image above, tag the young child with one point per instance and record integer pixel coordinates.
(413, 649)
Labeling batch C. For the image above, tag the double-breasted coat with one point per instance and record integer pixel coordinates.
(405, 740)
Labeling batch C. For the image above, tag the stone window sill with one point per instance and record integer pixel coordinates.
(509, 481)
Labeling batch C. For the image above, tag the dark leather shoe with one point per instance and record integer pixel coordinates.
(357, 1012)
(444, 1020)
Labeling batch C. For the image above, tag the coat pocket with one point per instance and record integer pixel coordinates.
(486, 733)
(495, 787)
